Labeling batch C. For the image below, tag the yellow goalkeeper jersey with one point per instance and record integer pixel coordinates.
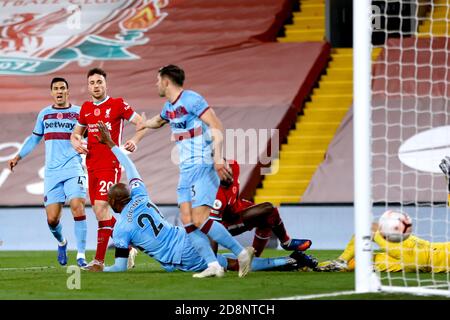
(412, 254)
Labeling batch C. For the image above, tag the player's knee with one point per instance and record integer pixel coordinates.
(198, 221)
(266, 216)
(267, 207)
(77, 208)
(200, 215)
(185, 216)
(53, 221)
(102, 211)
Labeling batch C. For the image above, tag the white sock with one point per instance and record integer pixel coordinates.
(214, 264)
(242, 253)
(62, 243)
(81, 255)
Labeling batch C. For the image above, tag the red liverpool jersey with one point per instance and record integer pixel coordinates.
(227, 198)
(113, 112)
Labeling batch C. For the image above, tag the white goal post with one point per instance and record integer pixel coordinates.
(401, 127)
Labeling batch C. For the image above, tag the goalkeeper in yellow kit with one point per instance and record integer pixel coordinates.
(411, 255)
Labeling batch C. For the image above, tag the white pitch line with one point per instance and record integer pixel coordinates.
(26, 268)
(317, 296)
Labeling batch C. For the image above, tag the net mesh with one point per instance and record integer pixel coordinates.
(410, 136)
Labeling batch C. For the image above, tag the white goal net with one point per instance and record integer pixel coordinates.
(409, 134)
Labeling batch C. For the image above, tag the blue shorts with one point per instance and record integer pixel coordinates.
(198, 186)
(58, 190)
(191, 260)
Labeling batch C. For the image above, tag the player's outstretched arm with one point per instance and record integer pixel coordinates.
(445, 168)
(120, 264)
(125, 161)
(30, 143)
(131, 145)
(152, 123)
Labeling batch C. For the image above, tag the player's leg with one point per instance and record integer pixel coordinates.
(75, 190)
(106, 224)
(383, 262)
(204, 188)
(290, 263)
(192, 261)
(198, 240)
(53, 200)
(279, 230)
(99, 183)
(256, 216)
(265, 218)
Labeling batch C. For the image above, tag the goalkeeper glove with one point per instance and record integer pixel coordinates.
(445, 166)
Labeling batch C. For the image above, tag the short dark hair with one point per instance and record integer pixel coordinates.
(96, 71)
(175, 73)
(58, 79)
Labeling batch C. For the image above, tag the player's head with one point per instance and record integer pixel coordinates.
(59, 88)
(97, 83)
(170, 75)
(118, 196)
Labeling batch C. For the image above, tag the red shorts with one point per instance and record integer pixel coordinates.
(100, 181)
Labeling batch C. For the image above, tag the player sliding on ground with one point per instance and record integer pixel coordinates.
(142, 225)
(411, 255)
(64, 178)
(239, 215)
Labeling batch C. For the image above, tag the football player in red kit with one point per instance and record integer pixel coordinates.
(240, 215)
(103, 168)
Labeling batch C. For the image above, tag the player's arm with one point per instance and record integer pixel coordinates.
(155, 122)
(120, 261)
(125, 161)
(445, 167)
(76, 139)
(209, 117)
(131, 144)
(28, 146)
(30, 142)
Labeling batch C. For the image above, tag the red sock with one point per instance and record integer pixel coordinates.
(278, 226)
(260, 240)
(104, 232)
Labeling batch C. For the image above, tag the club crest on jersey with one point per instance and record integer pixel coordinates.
(97, 112)
(135, 185)
(107, 113)
(41, 36)
(217, 204)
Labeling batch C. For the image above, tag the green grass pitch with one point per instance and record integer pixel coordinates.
(37, 275)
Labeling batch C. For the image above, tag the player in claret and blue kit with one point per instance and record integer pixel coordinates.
(64, 179)
(143, 226)
(198, 133)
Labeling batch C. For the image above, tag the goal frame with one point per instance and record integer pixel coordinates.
(366, 279)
